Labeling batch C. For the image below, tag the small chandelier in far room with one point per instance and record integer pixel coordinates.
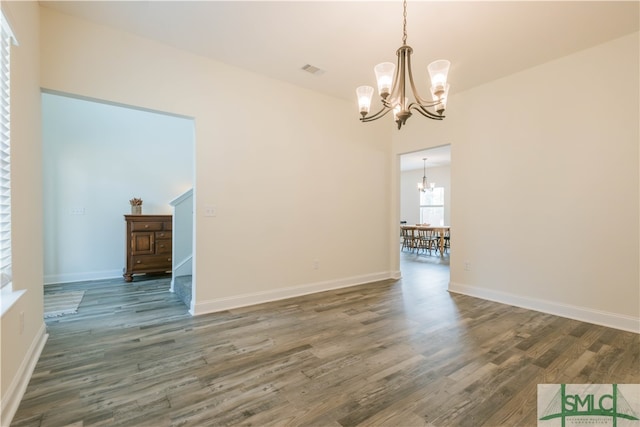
(392, 82)
(424, 185)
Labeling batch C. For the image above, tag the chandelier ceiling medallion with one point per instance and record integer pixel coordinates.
(392, 82)
(424, 185)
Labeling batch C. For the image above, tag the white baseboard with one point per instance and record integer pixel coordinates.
(13, 396)
(584, 314)
(396, 275)
(51, 279)
(228, 303)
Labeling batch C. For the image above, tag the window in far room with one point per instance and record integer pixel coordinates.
(432, 206)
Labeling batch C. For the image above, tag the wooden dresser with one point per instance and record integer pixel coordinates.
(148, 244)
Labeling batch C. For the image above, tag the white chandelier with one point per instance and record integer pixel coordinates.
(393, 91)
(424, 185)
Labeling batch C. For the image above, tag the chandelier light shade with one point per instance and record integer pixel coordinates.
(392, 87)
(424, 185)
(365, 93)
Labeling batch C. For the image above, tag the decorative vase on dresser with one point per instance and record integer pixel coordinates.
(148, 244)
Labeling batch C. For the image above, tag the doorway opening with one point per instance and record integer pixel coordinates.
(98, 157)
(425, 212)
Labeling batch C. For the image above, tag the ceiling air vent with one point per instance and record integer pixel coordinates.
(313, 70)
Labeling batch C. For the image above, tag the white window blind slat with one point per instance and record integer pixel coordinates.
(5, 150)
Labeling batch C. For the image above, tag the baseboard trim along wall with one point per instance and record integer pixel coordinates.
(583, 314)
(51, 279)
(228, 303)
(11, 400)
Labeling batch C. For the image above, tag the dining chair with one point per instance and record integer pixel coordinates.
(409, 239)
(447, 240)
(427, 240)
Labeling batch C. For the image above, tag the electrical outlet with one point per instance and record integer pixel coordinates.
(77, 211)
(467, 266)
(316, 264)
(210, 211)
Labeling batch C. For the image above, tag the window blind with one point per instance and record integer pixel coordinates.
(5, 156)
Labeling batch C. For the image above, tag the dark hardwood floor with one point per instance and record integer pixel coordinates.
(391, 353)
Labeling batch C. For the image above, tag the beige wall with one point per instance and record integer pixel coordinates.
(26, 181)
(545, 185)
(288, 170)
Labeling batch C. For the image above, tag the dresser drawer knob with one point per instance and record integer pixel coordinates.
(138, 262)
(146, 226)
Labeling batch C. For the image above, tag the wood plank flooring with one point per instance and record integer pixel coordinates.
(391, 353)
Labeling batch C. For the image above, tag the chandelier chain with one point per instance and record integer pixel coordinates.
(404, 23)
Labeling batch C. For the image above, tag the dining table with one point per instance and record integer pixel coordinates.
(442, 231)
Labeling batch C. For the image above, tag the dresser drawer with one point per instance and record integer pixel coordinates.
(146, 262)
(163, 246)
(146, 226)
(163, 235)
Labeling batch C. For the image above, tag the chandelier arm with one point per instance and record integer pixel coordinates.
(428, 104)
(398, 81)
(420, 109)
(403, 53)
(423, 108)
(383, 112)
(387, 103)
(415, 105)
(416, 94)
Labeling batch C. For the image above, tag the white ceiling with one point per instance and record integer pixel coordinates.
(439, 156)
(484, 40)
